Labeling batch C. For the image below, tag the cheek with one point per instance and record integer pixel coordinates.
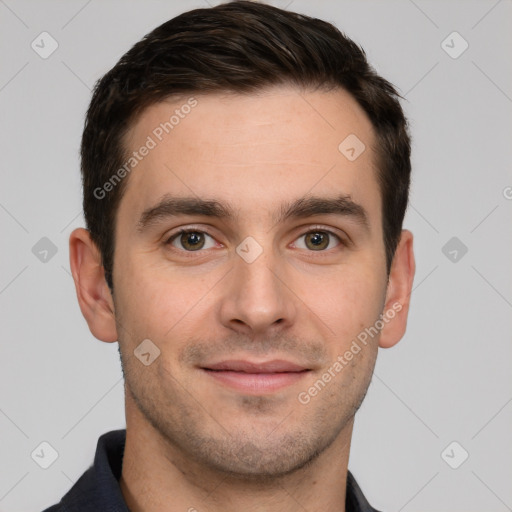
(351, 300)
(157, 300)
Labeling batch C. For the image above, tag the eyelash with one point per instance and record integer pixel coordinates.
(314, 229)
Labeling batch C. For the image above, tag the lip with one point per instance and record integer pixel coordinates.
(256, 378)
(273, 366)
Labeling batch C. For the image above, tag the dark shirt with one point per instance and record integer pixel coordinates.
(98, 490)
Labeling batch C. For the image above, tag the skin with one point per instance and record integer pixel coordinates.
(192, 442)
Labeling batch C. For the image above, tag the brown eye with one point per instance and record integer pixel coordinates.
(318, 241)
(190, 240)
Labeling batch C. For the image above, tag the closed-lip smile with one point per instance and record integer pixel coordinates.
(253, 377)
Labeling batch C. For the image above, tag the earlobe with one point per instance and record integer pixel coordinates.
(398, 293)
(92, 291)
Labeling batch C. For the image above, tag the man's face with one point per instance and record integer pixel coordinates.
(205, 299)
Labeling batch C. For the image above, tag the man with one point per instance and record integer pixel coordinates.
(245, 176)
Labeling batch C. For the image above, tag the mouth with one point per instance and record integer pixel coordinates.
(256, 378)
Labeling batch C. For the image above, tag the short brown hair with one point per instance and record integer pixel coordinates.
(242, 47)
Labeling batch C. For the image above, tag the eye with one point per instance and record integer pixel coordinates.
(191, 240)
(318, 240)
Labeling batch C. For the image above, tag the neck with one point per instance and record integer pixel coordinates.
(158, 476)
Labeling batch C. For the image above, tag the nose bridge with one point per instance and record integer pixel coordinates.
(257, 297)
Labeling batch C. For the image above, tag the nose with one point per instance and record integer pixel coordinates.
(258, 297)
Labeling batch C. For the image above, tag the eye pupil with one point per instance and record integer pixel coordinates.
(192, 241)
(318, 240)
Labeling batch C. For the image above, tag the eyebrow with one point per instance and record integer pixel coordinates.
(308, 206)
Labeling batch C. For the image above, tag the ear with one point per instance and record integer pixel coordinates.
(92, 289)
(398, 292)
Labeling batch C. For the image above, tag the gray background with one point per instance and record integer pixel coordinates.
(447, 380)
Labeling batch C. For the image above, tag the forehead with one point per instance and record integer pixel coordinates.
(253, 151)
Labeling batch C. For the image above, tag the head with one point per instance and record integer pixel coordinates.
(234, 123)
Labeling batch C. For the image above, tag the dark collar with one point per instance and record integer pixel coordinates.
(98, 488)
